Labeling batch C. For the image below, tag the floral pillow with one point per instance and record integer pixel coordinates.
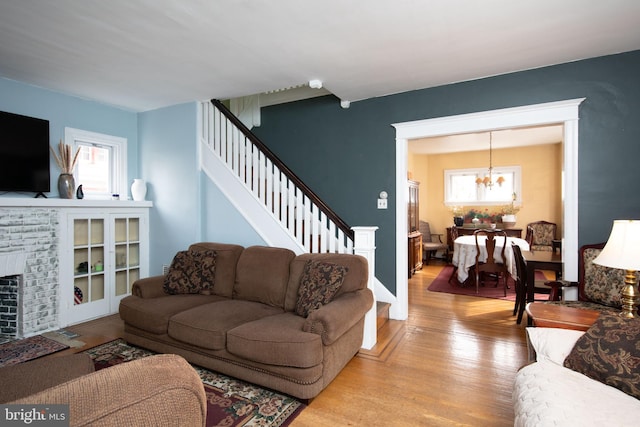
(319, 283)
(191, 272)
(609, 352)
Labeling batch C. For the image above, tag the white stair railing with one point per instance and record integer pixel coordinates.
(314, 226)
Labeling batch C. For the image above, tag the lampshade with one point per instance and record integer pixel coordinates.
(623, 247)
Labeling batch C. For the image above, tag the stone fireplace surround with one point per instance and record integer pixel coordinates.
(29, 248)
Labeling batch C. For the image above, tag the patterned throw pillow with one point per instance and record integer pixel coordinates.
(609, 352)
(319, 283)
(191, 272)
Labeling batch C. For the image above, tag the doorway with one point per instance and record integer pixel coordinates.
(561, 112)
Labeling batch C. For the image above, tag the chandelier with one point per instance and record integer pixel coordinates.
(488, 179)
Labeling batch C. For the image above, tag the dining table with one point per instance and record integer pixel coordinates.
(540, 260)
(464, 254)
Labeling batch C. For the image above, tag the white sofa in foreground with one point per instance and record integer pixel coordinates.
(548, 394)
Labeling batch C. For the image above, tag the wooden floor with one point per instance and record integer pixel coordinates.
(452, 362)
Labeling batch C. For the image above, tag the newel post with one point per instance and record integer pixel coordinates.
(364, 244)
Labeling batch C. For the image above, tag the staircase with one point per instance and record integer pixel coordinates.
(277, 204)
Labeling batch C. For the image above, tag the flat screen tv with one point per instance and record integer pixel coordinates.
(24, 153)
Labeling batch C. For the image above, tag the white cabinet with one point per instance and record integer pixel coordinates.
(103, 251)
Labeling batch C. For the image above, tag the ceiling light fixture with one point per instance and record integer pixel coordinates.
(315, 84)
(488, 179)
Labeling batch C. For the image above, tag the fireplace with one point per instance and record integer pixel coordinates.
(28, 271)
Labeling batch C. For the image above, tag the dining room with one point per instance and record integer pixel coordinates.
(536, 154)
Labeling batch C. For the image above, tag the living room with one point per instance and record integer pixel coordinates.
(162, 146)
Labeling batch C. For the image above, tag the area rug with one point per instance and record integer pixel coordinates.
(441, 284)
(18, 351)
(230, 402)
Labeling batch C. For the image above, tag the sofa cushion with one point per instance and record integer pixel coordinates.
(262, 275)
(356, 278)
(319, 283)
(609, 352)
(191, 272)
(226, 261)
(206, 326)
(276, 340)
(153, 314)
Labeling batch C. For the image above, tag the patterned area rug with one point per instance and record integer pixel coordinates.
(18, 351)
(441, 284)
(230, 402)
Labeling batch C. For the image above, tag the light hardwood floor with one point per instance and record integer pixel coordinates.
(452, 362)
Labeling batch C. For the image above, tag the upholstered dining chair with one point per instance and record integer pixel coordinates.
(490, 266)
(551, 288)
(431, 243)
(540, 235)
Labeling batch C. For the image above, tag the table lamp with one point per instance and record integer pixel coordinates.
(623, 251)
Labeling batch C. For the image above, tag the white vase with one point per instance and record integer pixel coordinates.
(508, 221)
(138, 190)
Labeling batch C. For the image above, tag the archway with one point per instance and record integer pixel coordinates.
(561, 112)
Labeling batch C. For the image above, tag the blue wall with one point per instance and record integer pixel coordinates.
(68, 111)
(169, 162)
(348, 156)
(187, 206)
(221, 220)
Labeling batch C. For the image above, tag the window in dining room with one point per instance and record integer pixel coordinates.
(477, 187)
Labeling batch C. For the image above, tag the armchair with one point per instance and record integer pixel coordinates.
(599, 287)
(540, 235)
(431, 243)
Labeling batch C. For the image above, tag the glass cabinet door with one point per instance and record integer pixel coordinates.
(89, 283)
(127, 252)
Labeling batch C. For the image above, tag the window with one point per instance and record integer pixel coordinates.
(461, 188)
(102, 163)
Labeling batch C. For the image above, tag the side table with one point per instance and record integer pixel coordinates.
(558, 316)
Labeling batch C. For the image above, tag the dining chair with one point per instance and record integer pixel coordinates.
(551, 288)
(453, 235)
(490, 266)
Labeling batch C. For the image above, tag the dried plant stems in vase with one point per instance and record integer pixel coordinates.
(66, 161)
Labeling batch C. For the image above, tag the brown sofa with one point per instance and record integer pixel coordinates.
(247, 326)
(162, 390)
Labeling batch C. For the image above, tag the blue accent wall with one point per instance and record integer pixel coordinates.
(347, 156)
(68, 111)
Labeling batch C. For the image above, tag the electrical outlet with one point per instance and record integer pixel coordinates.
(382, 203)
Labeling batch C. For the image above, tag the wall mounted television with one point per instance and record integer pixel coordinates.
(24, 154)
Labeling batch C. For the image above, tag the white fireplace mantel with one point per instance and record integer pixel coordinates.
(70, 203)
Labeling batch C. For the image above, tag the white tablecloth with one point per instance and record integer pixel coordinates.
(464, 253)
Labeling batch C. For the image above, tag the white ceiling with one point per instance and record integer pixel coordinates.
(146, 54)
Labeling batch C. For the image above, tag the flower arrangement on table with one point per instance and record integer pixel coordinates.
(484, 215)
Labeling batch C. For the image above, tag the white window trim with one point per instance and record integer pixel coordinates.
(119, 147)
(517, 185)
